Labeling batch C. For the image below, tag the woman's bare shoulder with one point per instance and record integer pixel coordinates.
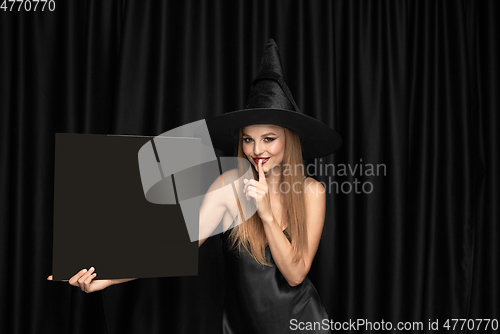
(223, 180)
(230, 175)
(312, 187)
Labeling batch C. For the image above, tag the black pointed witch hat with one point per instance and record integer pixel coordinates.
(271, 102)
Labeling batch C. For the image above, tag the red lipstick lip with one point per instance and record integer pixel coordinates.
(264, 160)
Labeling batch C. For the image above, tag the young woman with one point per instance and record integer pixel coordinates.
(269, 255)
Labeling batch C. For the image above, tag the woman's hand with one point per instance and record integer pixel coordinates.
(84, 280)
(259, 191)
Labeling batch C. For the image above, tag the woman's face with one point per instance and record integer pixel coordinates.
(264, 141)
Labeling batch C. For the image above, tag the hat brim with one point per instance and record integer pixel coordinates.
(317, 139)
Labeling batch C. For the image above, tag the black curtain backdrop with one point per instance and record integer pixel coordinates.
(412, 85)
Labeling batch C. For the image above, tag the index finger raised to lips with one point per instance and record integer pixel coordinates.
(262, 175)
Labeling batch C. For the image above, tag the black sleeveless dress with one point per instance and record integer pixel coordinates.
(259, 300)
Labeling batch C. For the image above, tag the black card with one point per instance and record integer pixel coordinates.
(102, 218)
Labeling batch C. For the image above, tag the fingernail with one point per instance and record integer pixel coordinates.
(91, 269)
(84, 270)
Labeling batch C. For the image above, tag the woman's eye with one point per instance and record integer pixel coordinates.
(248, 140)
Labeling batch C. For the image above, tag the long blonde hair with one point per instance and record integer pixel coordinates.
(250, 234)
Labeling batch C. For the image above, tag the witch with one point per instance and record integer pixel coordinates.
(268, 255)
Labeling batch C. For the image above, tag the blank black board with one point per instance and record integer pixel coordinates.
(102, 218)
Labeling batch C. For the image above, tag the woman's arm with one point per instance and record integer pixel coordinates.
(214, 205)
(281, 249)
(212, 210)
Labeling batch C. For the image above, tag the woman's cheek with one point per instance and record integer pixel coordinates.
(274, 148)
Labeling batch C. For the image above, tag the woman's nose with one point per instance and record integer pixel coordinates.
(257, 150)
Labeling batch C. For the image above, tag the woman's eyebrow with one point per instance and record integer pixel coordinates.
(265, 134)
